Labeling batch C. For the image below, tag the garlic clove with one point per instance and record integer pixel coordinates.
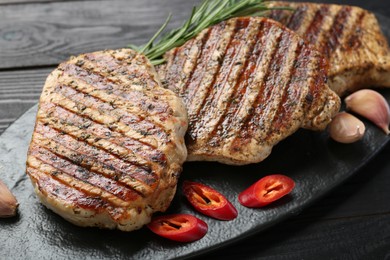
(346, 128)
(371, 105)
(8, 202)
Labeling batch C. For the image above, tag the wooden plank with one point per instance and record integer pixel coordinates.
(356, 238)
(7, 2)
(19, 90)
(46, 34)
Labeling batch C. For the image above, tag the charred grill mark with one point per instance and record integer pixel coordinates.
(216, 73)
(97, 82)
(229, 120)
(251, 88)
(207, 74)
(89, 156)
(203, 46)
(178, 60)
(69, 195)
(105, 63)
(315, 28)
(171, 74)
(97, 128)
(291, 95)
(191, 95)
(70, 181)
(297, 18)
(353, 41)
(336, 31)
(274, 86)
(85, 129)
(95, 153)
(319, 79)
(138, 124)
(278, 15)
(192, 60)
(64, 165)
(210, 107)
(99, 150)
(164, 73)
(120, 72)
(172, 59)
(146, 152)
(227, 94)
(256, 109)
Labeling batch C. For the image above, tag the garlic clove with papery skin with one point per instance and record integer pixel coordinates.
(371, 105)
(8, 202)
(346, 128)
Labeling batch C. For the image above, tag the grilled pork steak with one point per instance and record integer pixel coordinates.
(349, 36)
(247, 84)
(108, 143)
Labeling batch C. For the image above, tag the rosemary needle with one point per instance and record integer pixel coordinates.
(208, 13)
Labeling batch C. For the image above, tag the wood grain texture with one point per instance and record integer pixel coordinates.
(37, 34)
(356, 238)
(19, 90)
(8, 2)
(46, 34)
(352, 222)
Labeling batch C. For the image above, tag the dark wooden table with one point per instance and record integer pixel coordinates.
(352, 222)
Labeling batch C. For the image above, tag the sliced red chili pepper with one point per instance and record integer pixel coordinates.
(209, 201)
(266, 190)
(179, 227)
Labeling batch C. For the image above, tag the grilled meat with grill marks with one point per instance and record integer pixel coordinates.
(247, 84)
(108, 143)
(349, 36)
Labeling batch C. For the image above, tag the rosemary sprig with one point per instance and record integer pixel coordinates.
(208, 13)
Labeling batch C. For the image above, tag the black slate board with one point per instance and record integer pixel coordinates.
(315, 162)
